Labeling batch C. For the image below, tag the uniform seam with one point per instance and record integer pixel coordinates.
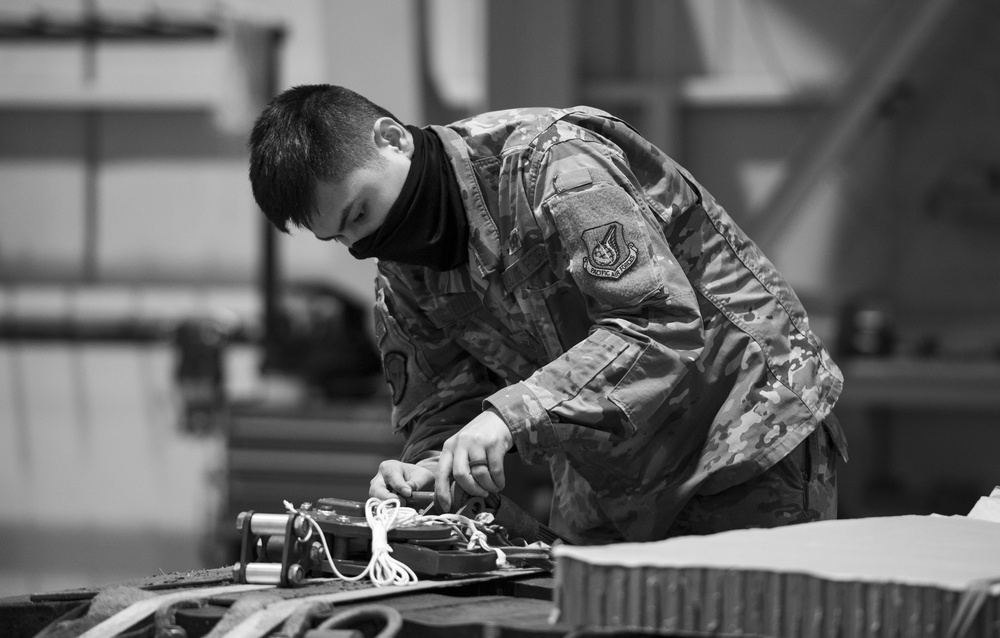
(761, 343)
(757, 275)
(752, 333)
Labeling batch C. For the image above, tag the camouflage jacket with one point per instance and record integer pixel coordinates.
(612, 314)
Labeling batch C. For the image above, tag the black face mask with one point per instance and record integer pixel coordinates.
(426, 226)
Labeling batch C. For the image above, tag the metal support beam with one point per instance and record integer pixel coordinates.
(901, 37)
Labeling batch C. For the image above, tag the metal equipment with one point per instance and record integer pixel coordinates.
(516, 521)
(285, 549)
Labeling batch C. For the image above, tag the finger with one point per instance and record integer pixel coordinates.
(442, 481)
(377, 488)
(474, 484)
(482, 473)
(497, 472)
(395, 478)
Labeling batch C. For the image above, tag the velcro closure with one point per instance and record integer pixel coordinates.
(524, 267)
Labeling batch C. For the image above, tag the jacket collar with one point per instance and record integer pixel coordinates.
(484, 238)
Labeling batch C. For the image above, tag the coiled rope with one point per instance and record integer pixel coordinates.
(385, 515)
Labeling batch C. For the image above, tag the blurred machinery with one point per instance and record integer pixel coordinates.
(320, 336)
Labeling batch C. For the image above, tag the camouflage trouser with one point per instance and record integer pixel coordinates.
(800, 488)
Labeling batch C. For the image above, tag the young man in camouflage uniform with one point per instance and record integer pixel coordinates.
(551, 282)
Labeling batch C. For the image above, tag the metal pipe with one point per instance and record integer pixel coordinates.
(268, 524)
(270, 574)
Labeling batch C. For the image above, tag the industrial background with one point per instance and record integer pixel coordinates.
(166, 361)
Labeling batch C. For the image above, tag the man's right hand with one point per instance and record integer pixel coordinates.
(396, 478)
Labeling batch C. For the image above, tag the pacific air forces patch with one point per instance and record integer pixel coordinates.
(609, 255)
(606, 246)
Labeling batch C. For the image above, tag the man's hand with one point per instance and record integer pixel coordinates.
(396, 478)
(473, 457)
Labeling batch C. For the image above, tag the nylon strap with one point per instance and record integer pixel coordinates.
(145, 608)
(261, 623)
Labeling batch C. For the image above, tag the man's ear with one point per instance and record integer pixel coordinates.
(389, 132)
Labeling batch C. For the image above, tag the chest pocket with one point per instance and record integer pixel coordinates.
(553, 308)
(551, 303)
(464, 318)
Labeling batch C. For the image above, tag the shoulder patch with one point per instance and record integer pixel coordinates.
(394, 364)
(606, 248)
(608, 254)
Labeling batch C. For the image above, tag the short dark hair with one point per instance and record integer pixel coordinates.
(308, 133)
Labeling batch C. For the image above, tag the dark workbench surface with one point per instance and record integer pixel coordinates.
(510, 607)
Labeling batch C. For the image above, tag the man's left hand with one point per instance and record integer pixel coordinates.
(473, 457)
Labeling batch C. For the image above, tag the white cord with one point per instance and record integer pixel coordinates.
(385, 570)
(469, 531)
(382, 569)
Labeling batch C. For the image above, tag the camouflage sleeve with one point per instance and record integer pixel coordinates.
(645, 326)
(436, 386)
